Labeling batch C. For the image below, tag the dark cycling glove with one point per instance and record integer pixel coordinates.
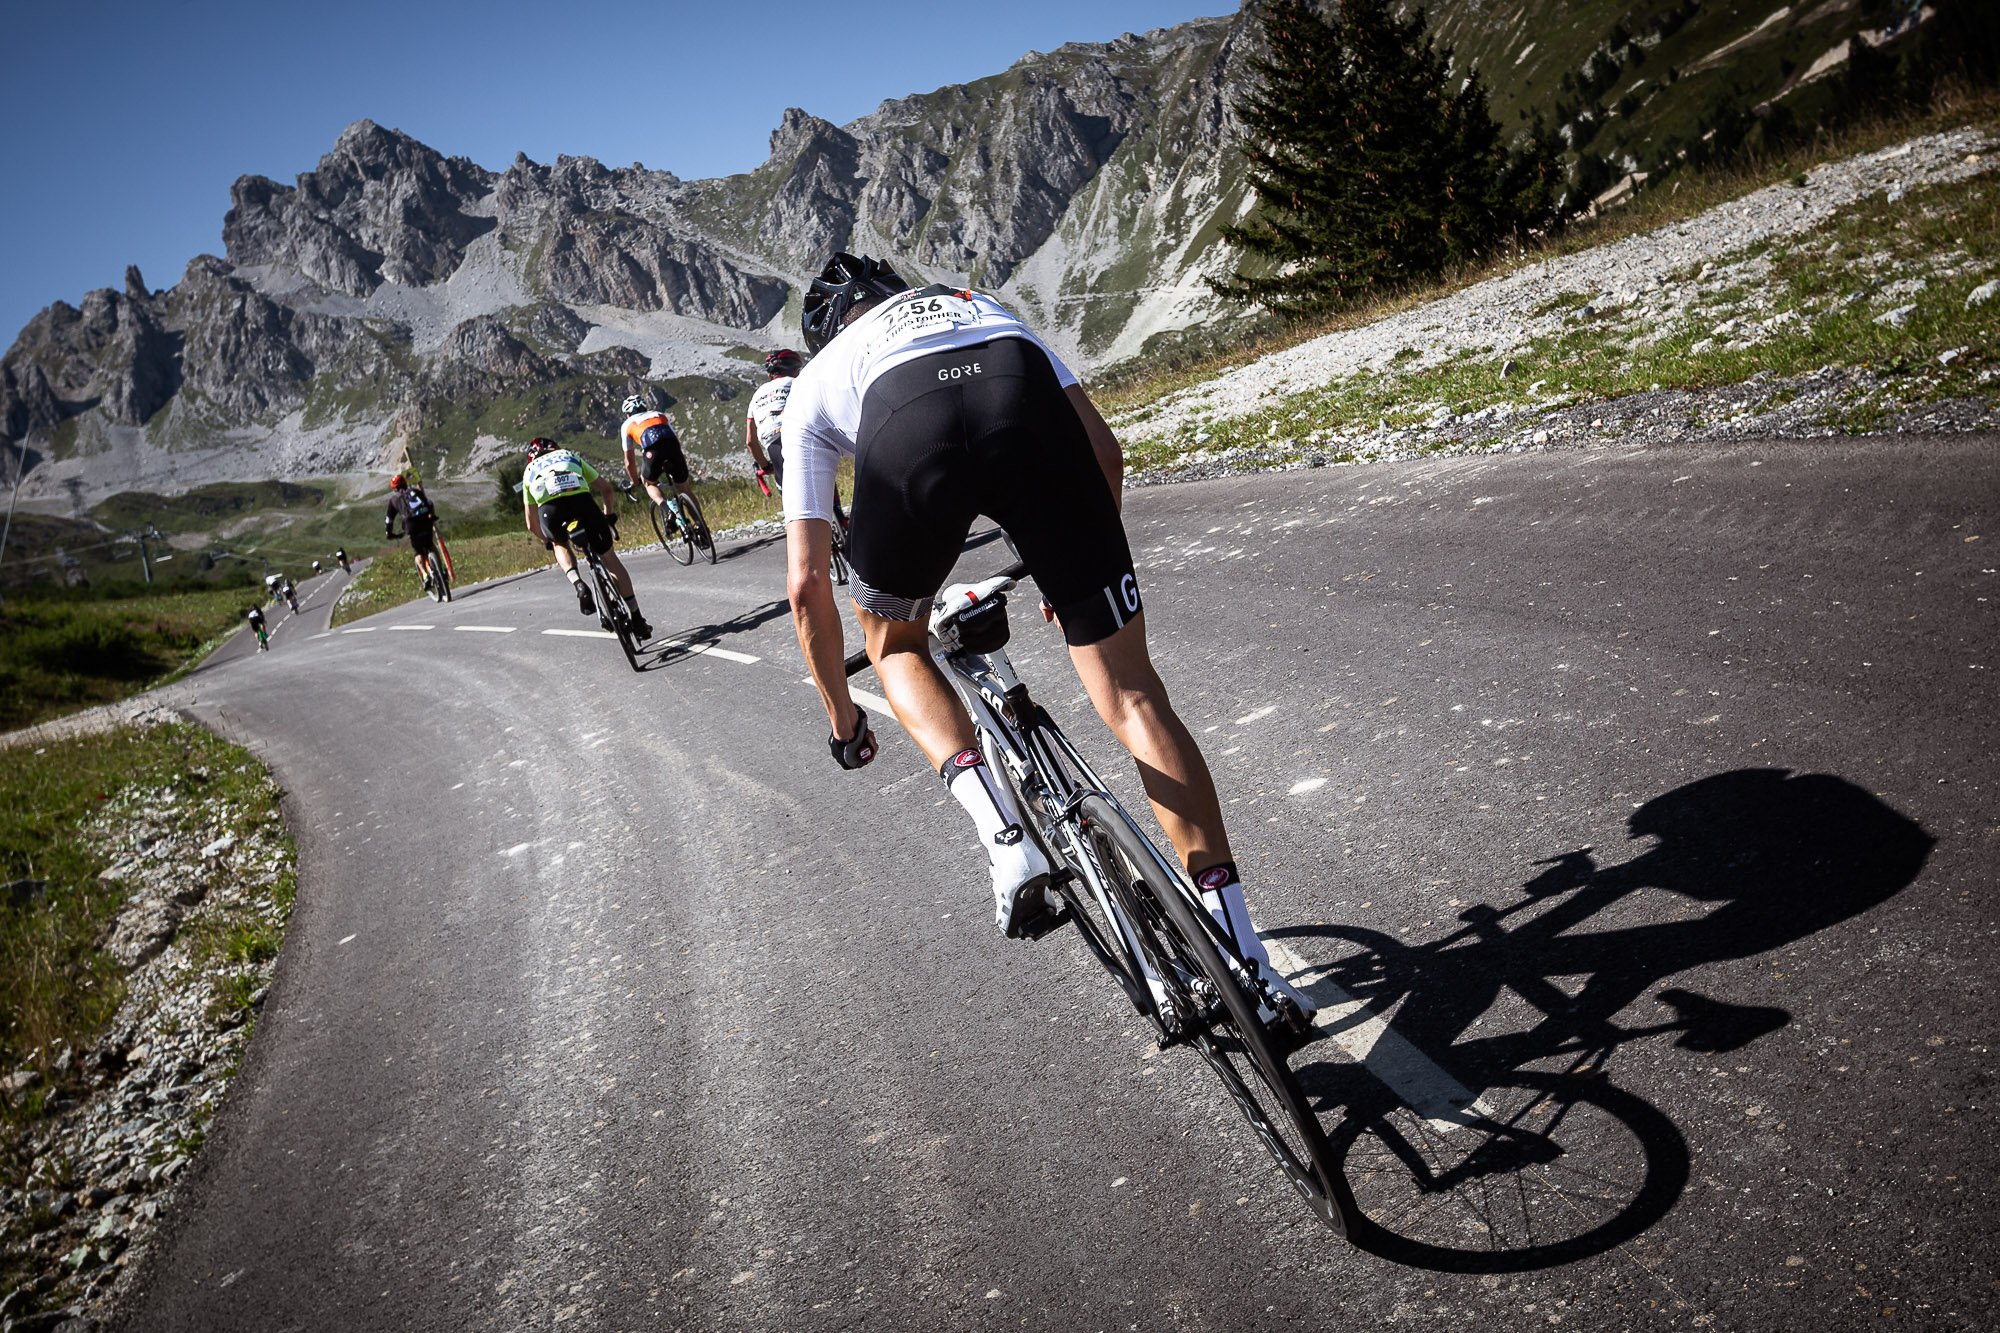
(857, 751)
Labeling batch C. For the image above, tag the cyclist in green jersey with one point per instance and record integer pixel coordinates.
(558, 487)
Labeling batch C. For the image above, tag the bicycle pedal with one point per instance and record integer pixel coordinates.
(1047, 923)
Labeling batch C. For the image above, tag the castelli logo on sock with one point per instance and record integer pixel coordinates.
(966, 759)
(1213, 878)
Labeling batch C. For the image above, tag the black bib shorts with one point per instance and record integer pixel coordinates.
(660, 452)
(595, 527)
(985, 429)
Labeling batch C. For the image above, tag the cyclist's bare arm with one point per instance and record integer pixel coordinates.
(631, 463)
(534, 518)
(1110, 457)
(808, 556)
(755, 445)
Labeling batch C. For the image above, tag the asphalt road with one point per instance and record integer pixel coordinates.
(1647, 795)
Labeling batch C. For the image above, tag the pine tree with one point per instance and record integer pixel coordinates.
(1372, 164)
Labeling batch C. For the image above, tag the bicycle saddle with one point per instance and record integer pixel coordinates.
(973, 615)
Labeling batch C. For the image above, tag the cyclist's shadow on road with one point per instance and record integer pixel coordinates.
(1525, 1003)
(679, 645)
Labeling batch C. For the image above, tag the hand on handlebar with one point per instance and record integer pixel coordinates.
(857, 750)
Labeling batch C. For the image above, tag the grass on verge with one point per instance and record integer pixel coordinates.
(1131, 388)
(58, 654)
(56, 984)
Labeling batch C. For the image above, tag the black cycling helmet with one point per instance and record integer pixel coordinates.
(539, 446)
(784, 361)
(845, 282)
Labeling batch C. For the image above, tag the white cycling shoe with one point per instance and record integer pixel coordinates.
(1021, 897)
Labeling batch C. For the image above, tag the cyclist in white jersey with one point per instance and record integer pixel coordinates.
(952, 407)
(762, 430)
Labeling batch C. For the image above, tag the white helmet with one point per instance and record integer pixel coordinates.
(634, 404)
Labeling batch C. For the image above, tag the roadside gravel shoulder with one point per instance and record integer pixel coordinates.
(1667, 286)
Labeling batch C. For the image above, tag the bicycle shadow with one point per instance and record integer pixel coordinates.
(1522, 1006)
(679, 645)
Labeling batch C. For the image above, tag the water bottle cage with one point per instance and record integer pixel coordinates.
(983, 628)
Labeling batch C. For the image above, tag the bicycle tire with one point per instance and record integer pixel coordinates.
(1216, 1014)
(704, 540)
(611, 612)
(674, 536)
(1042, 815)
(441, 561)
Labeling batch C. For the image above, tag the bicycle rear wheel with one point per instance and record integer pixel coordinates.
(1213, 1010)
(703, 539)
(612, 613)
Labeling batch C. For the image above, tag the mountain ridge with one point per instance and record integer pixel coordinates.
(397, 304)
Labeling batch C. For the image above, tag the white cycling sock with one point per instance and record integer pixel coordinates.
(968, 779)
(1222, 893)
(576, 576)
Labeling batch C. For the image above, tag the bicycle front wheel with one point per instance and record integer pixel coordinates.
(703, 539)
(1213, 1009)
(673, 534)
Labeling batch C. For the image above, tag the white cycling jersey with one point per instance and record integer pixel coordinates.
(823, 414)
(767, 409)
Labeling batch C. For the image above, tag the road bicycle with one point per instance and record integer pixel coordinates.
(768, 480)
(1134, 906)
(612, 613)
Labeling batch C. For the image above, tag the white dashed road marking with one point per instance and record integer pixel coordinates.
(726, 654)
(361, 629)
(583, 633)
(1254, 715)
(484, 629)
(1367, 1037)
(397, 627)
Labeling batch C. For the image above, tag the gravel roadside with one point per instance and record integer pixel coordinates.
(1654, 281)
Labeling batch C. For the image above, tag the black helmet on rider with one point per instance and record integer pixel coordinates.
(846, 282)
(784, 361)
(539, 446)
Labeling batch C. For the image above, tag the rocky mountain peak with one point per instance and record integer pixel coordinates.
(380, 207)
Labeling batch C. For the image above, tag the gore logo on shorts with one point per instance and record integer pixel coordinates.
(1213, 878)
(966, 371)
(966, 759)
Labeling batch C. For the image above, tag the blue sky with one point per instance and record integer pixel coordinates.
(123, 124)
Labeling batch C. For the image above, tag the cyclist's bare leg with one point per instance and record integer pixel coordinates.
(915, 688)
(565, 558)
(653, 489)
(620, 580)
(1129, 695)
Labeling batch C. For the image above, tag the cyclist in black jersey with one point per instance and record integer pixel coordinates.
(419, 516)
(951, 407)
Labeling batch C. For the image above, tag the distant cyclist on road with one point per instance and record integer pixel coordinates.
(652, 449)
(557, 487)
(340, 558)
(419, 516)
(255, 616)
(951, 407)
(763, 433)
